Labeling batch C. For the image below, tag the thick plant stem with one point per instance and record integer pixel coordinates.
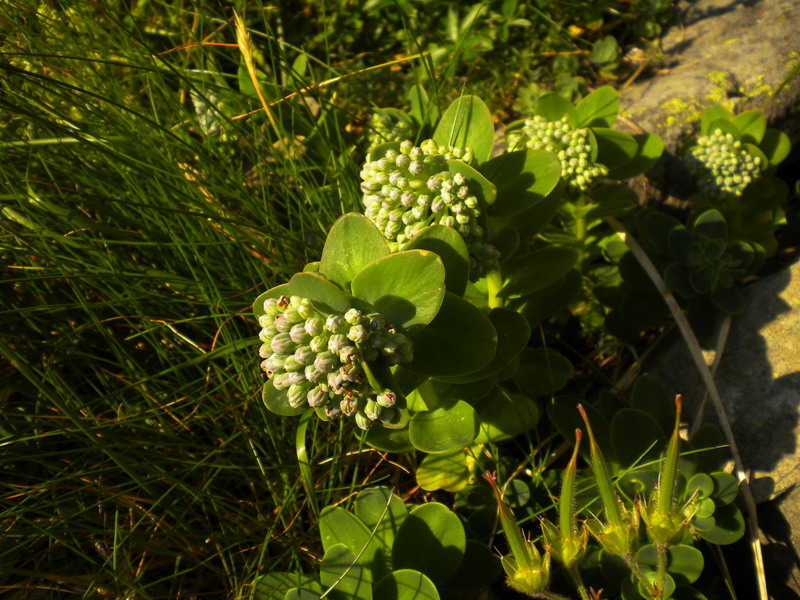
(661, 574)
(648, 585)
(494, 281)
(697, 356)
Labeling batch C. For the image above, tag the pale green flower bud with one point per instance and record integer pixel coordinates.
(326, 362)
(335, 324)
(353, 316)
(318, 396)
(386, 398)
(319, 343)
(336, 342)
(314, 326)
(296, 395)
(299, 334)
(282, 344)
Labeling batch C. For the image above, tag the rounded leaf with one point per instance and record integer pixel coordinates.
(448, 244)
(685, 563)
(431, 540)
(447, 471)
(405, 287)
(352, 243)
(504, 416)
(554, 106)
(340, 527)
(445, 428)
(467, 123)
(323, 294)
(614, 148)
(346, 578)
(523, 178)
(542, 372)
(382, 512)
(405, 584)
(728, 526)
(649, 149)
(637, 437)
(555, 297)
(277, 401)
(599, 109)
(460, 340)
(537, 270)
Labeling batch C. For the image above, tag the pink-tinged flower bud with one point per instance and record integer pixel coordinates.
(386, 398)
(348, 406)
(282, 344)
(299, 334)
(296, 394)
(313, 374)
(305, 355)
(271, 306)
(326, 362)
(333, 412)
(314, 326)
(335, 324)
(319, 343)
(336, 342)
(281, 324)
(290, 364)
(348, 354)
(353, 316)
(292, 315)
(358, 333)
(318, 396)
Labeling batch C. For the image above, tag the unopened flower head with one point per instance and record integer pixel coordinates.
(320, 360)
(722, 165)
(571, 146)
(408, 189)
(387, 127)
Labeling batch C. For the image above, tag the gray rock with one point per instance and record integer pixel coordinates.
(736, 53)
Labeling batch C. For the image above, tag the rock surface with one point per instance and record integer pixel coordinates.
(737, 53)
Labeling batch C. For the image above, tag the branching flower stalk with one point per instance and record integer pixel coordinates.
(619, 535)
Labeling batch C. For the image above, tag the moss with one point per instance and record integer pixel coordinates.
(681, 112)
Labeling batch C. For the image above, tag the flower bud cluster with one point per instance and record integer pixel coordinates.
(408, 189)
(385, 127)
(570, 145)
(319, 359)
(722, 166)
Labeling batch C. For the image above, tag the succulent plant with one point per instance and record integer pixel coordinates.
(705, 262)
(571, 145)
(722, 165)
(319, 358)
(389, 125)
(408, 188)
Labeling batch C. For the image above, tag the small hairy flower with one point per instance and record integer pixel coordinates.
(571, 146)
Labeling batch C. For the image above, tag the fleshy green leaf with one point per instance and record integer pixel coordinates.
(406, 584)
(542, 372)
(532, 220)
(467, 123)
(389, 440)
(478, 185)
(479, 569)
(554, 106)
(448, 244)
(728, 526)
(649, 149)
(726, 126)
(323, 294)
(460, 340)
(523, 178)
(752, 125)
(599, 109)
(423, 111)
(504, 416)
(382, 512)
(711, 114)
(353, 242)
(614, 148)
(405, 287)
(445, 428)
(431, 540)
(729, 300)
(775, 146)
(277, 402)
(555, 297)
(338, 526)
(275, 585)
(346, 578)
(537, 270)
(712, 224)
(613, 200)
(447, 471)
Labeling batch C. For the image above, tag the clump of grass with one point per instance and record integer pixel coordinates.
(137, 458)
